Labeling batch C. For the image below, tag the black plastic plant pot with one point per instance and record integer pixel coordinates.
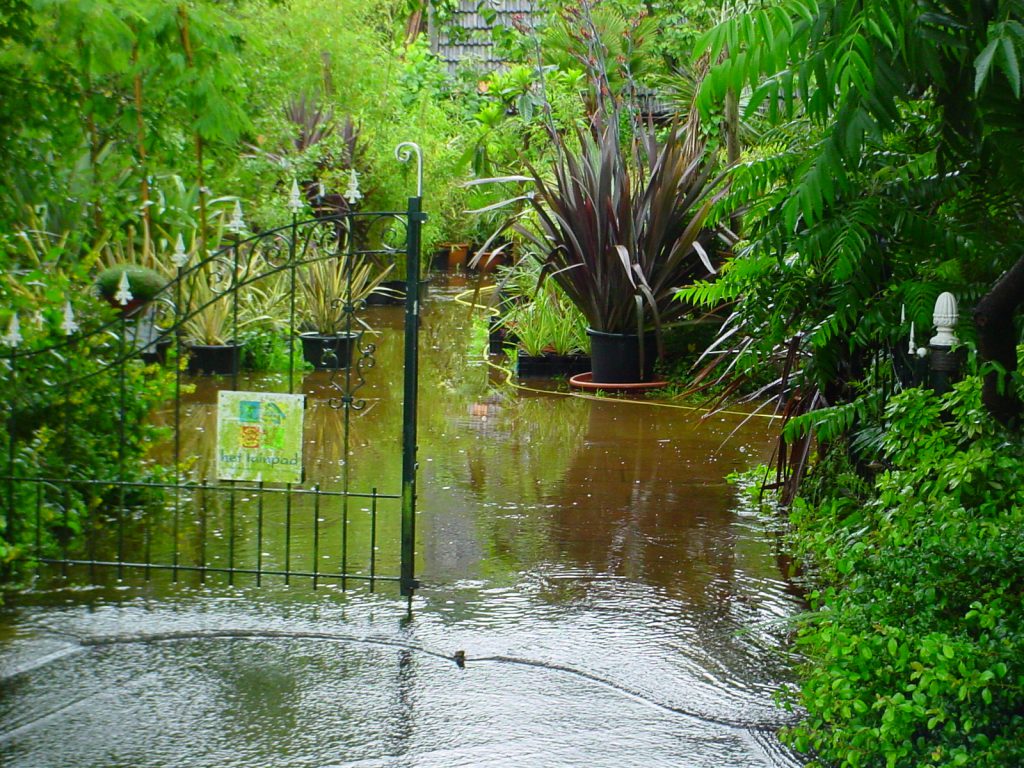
(327, 352)
(551, 365)
(615, 357)
(395, 294)
(499, 337)
(214, 359)
(156, 350)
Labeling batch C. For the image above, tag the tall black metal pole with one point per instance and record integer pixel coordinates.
(408, 583)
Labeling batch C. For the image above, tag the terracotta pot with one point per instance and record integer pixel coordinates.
(457, 255)
(488, 262)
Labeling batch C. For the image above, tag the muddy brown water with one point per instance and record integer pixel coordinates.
(615, 604)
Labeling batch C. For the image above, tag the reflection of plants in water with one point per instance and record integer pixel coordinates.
(536, 439)
(645, 499)
(330, 438)
(216, 524)
(521, 448)
(198, 440)
(444, 353)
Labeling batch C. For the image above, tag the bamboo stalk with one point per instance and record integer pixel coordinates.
(186, 44)
(140, 127)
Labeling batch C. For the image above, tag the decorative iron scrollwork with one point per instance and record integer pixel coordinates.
(349, 380)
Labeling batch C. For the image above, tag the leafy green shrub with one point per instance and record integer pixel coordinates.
(915, 654)
(70, 410)
(80, 428)
(267, 351)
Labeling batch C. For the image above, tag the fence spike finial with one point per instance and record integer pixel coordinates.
(180, 255)
(295, 198)
(13, 336)
(237, 223)
(352, 194)
(69, 325)
(124, 290)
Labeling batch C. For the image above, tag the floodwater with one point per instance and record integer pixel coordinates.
(614, 603)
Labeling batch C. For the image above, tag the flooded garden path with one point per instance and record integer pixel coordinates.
(593, 594)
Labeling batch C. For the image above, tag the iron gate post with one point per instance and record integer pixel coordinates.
(416, 217)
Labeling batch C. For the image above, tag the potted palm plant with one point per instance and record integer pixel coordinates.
(621, 229)
(216, 308)
(331, 290)
(208, 326)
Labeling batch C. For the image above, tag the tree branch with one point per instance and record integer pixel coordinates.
(997, 342)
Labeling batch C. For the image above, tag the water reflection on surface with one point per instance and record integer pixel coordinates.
(613, 607)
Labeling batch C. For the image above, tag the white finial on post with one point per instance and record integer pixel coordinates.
(69, 325)
(352, 194)
(124, 290)
(295, 198)
(13, 336)
(180, 255)
(945, 318)
(237, 223)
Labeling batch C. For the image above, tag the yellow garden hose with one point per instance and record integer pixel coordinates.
(465, 298)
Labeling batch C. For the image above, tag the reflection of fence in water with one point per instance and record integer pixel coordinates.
(311, 529)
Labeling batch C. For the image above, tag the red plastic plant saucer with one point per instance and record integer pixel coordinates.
(586, 381)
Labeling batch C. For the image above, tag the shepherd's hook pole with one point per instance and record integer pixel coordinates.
(404, 153)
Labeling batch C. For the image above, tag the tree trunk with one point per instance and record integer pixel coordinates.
(328, 78)
(997, 342)
(414, 25)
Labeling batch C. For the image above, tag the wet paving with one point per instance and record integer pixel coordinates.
(593, 595)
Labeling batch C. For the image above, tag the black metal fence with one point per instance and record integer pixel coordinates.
(168, 515)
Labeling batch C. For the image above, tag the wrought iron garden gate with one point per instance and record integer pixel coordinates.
(257, 515)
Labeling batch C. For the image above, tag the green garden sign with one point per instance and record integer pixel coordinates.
(259, 436)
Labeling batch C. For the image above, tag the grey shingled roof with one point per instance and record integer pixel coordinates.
(478, 47)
